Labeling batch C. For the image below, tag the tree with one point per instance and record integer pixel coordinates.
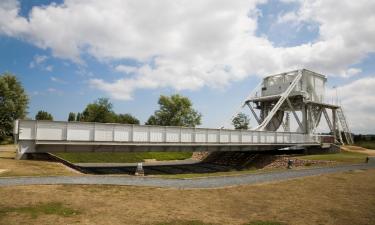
(241, 121)
(79, 117)
(72, 116)
(99, 111)
(13, 103)
(43, 115)
(126, 119)
(175, 110)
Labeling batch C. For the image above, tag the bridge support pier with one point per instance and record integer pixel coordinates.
(23, 148)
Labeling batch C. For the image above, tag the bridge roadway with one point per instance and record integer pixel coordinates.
(56, 136)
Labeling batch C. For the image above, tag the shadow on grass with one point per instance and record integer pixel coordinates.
(56, 208)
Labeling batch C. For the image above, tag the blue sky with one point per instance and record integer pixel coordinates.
(67, 54)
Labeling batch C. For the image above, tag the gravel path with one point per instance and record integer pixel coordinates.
(210, 182)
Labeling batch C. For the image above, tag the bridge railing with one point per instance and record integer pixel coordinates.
(106, 132)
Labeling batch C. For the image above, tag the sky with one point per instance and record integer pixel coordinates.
(69, 53)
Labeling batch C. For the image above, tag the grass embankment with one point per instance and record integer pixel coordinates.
(342, 157)
(122, 157)
(11, 167)
(340, 198)
(366, 144)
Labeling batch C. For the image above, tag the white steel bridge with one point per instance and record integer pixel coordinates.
(53, 136)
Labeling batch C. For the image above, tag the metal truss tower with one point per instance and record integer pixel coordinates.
(300, 93)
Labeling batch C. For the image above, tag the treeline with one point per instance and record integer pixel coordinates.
(102, 111)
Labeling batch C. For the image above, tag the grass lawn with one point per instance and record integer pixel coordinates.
(341, 198)
(366, 144)
(11, 167)
(343, 157)
(122, 157)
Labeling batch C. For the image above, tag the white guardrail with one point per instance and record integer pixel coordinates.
(107, 132)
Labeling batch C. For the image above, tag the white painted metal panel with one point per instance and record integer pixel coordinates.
(187, 135)
(27, 130)
(255, 137)
(122, 133)
(224, 136)
(140, 134)
(200, 136)
(270, 137)
(156, 134)
(80, 132)
(246, 137)
(234, 136)
(104, 132)
(172, 135)
(51, 131)
(213, 136)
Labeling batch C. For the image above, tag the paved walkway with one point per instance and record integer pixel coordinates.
(210, 182)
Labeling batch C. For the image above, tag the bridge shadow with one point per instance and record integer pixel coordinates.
(197, 168)
(214, 163)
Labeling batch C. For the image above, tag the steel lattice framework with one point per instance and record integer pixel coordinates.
(296, 92)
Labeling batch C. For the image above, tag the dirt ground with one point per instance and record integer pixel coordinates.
(343, 198)
(11, 167)
(351, 148)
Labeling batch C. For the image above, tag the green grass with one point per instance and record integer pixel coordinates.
(121, 157)
(34, 211)
(344, 157)
(366, 144)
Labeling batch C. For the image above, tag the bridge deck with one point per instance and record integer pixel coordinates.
(55, 136)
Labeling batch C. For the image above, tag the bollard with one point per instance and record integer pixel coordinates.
(139, 171)
(290, 164)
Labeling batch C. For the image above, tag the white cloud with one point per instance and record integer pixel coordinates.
(37, 60)
(191, 44)
(126, 69)
(58, 80)
(357, 99)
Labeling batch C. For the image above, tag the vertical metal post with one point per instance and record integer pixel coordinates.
(113, 132)
(36, 130)
(66, 130)
(180, 137)
(275, 137)
(165, 134)
(131, 134)
(304, 119)
(193, 135)
(206, 135)
(240, 139)
(148, 134)
(94, 131)
(334, 124)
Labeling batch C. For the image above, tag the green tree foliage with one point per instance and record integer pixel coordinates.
(241, 121)
(43, 115)
(126, 118)
(175, 110)
(79, 117)
(13, 103)
(99, 111)
(72, 116)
